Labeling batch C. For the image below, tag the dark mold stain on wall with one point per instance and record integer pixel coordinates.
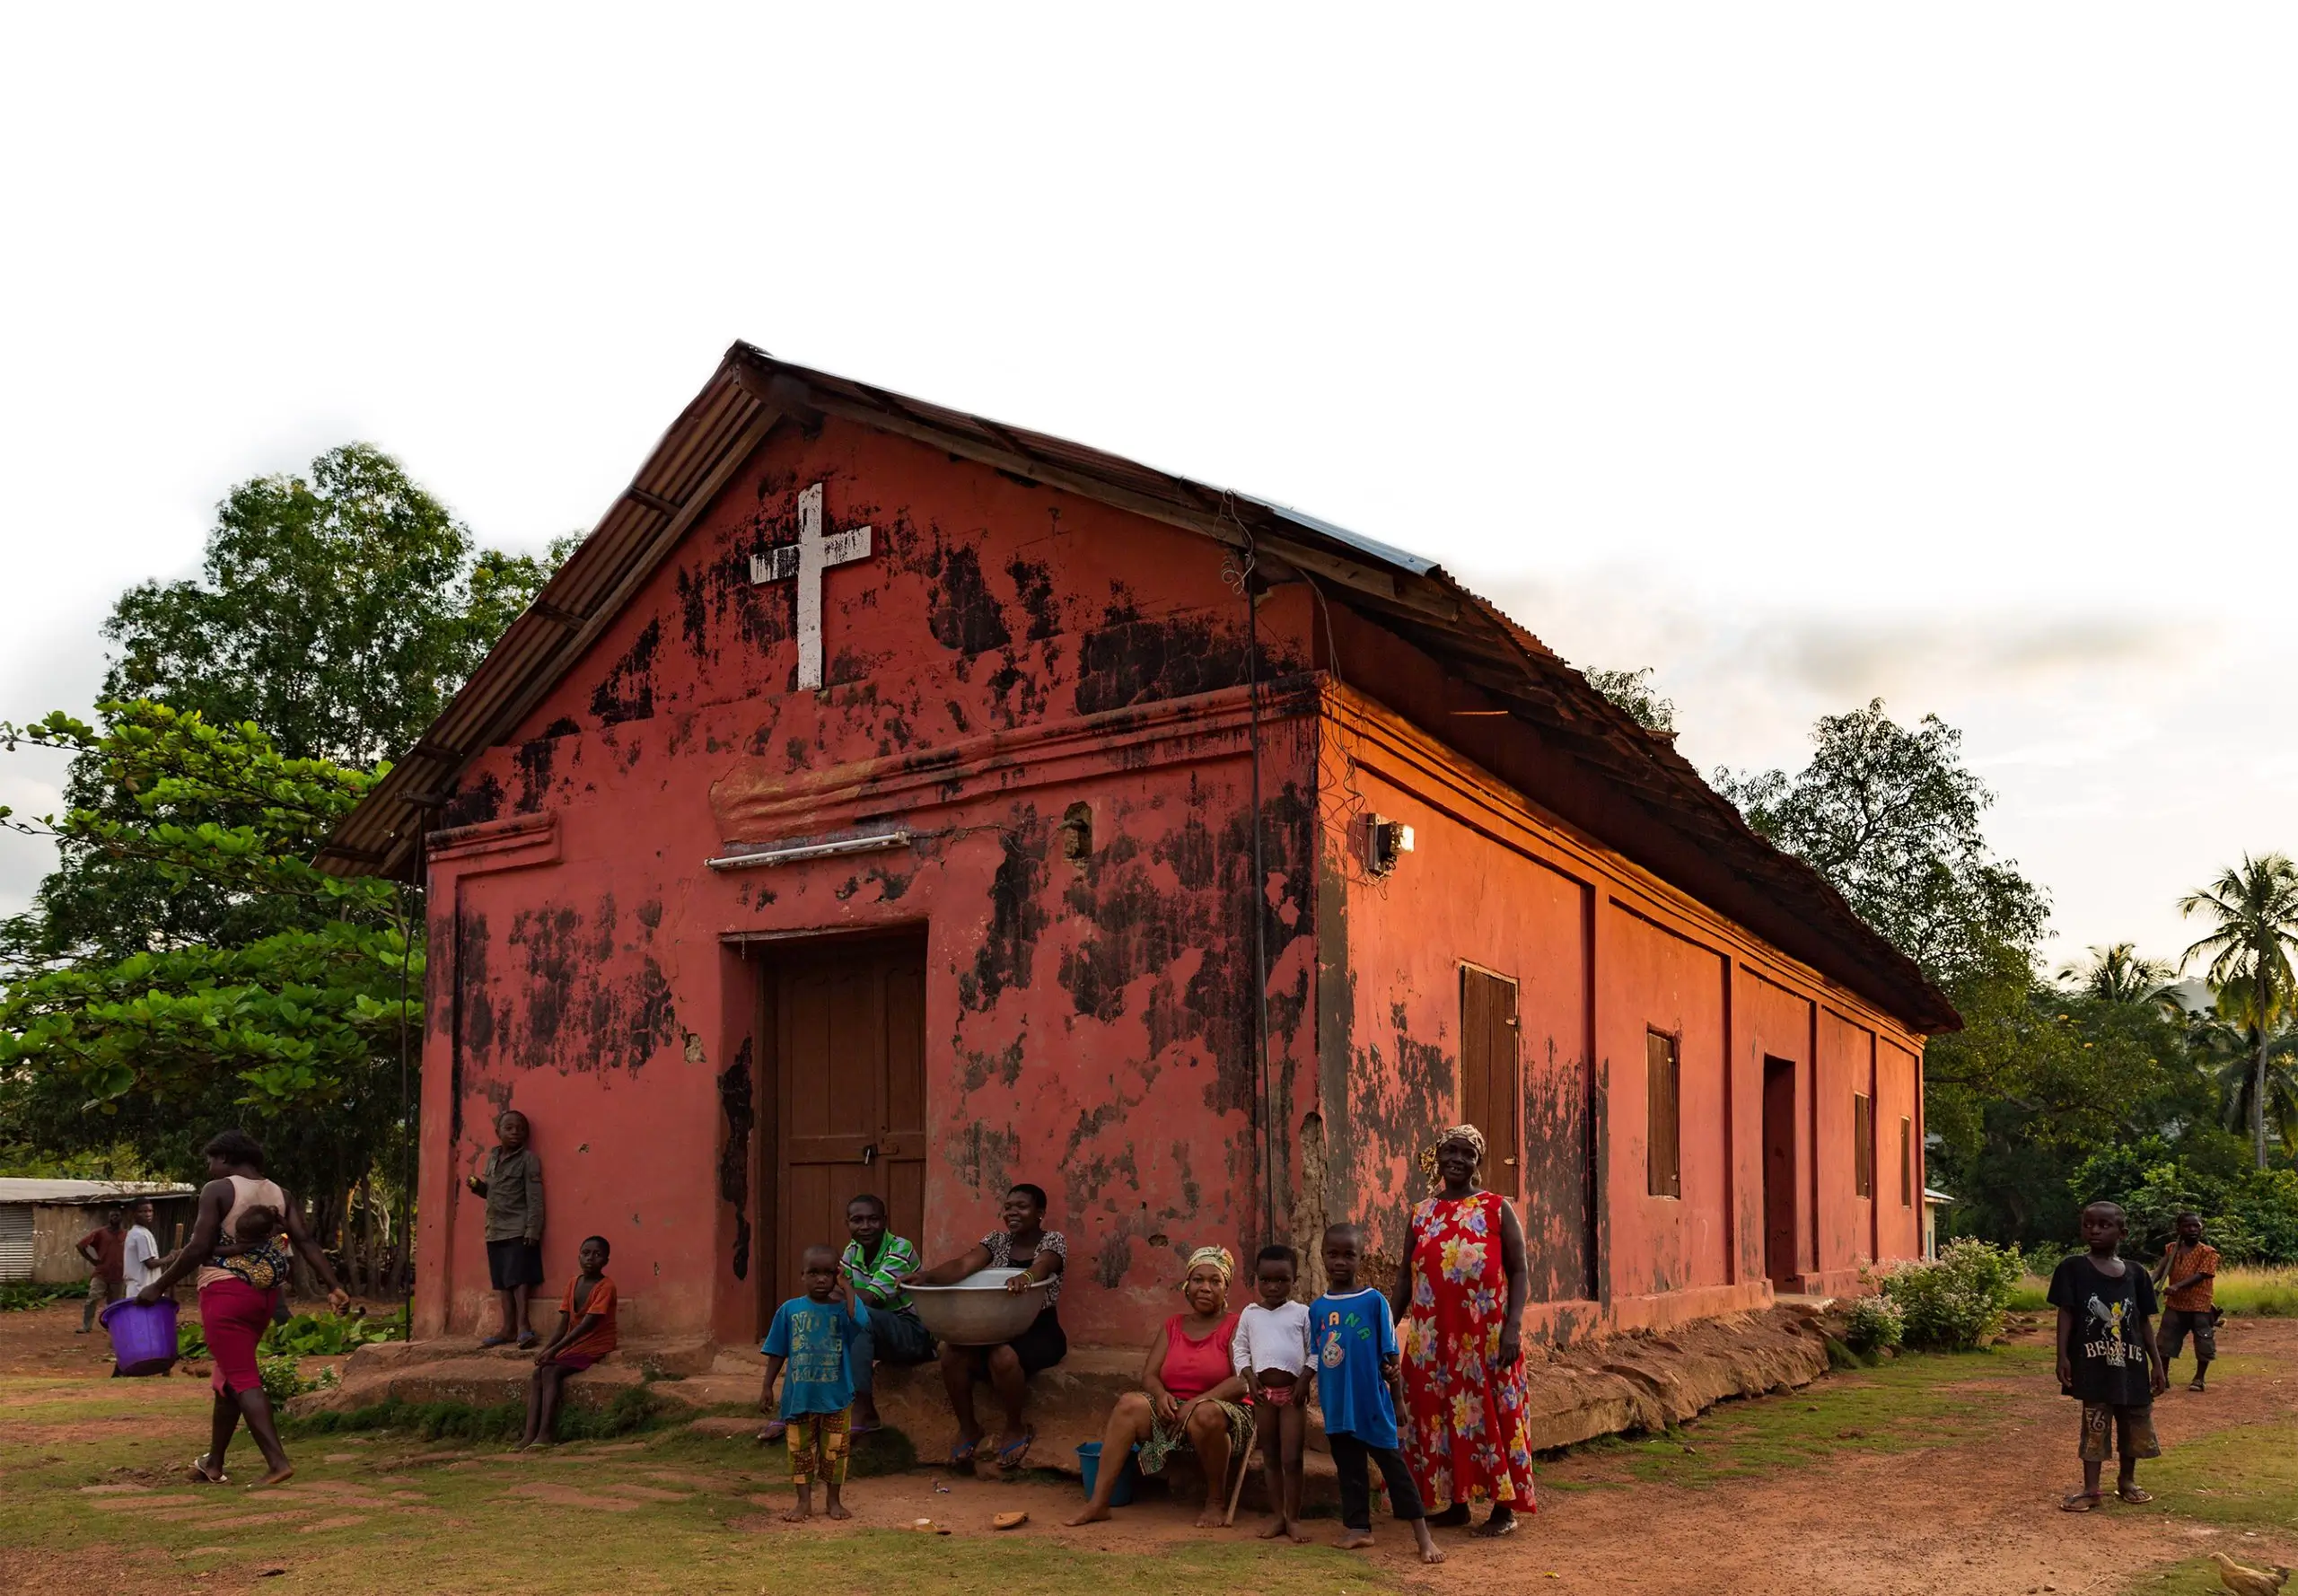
(535, 762)
(474, 803)
(734, 1160)
(1131, 660)
(1017, 918)
(627, 693)
(964, 615)
(1033, 581)
(570, 990)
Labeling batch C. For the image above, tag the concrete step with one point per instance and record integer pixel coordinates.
(1603, 1387)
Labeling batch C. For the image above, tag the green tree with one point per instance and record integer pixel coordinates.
(2115, 973)
(338, 610)
(293, 1024)
(1890, 817)
(2255, 908)
(1633, 691)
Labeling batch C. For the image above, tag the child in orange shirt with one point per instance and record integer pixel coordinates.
(585, 1335)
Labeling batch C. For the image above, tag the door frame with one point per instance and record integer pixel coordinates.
(770, 1170)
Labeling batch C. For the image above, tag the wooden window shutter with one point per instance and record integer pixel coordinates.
(1907, 1161)
(1863, 1138)
(1663, 1146)
(1492, 1092)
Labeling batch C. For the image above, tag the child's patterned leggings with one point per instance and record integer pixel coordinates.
(828, 1433)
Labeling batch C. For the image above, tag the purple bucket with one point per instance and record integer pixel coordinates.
(143, 1339)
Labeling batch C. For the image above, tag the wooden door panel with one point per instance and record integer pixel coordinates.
(849, 1035)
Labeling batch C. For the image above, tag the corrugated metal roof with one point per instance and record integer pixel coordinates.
(1640, 795)
(15, 1189)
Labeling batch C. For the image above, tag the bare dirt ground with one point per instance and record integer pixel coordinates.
(1932, 1475)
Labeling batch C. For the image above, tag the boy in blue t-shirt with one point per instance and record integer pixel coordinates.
(806, 1346)
(1353, 1335)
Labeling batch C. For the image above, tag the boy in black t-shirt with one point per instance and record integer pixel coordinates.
(2108, 1356)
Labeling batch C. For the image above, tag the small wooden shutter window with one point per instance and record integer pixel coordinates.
(1863, 1138)
(1664, 1154)
(1490, 1090)
(1907, 1162)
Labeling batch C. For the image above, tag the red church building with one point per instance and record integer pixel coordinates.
(885, 798)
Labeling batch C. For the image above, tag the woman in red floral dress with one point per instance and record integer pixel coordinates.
(1459, 1309)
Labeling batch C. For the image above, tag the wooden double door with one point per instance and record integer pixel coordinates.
(844, 1066)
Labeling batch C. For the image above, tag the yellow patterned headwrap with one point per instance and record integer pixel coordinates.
(1219, 1258)
(1458, 1133)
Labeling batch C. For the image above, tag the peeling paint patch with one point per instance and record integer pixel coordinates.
(964, 614)
(627, 693)
(1017, 918)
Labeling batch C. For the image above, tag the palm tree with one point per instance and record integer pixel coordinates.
(2116, 974)
(2256, 906)
(2222, 1050)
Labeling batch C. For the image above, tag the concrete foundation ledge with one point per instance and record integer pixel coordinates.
(1645, 1380)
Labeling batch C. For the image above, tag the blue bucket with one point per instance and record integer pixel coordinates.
(1089, 1464)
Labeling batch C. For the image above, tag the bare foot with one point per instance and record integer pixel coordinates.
(1273, 1528)
(1430, 1552)
(838, 1510)
(796, 1515)
(1096, 1513)
(1353, 1539)
(281, 1474)
(1297, 1535)
(1210, 1519)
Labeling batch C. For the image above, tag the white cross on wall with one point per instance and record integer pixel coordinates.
(807, 559)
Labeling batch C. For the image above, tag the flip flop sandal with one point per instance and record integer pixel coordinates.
(529, 1341)
(2134, 1496)
(962, 1454)
(865, 1429)
(495, 1341)
(775, 1430)
(1010, 1456)
(2080, 1501)
(1489, 1531)
(200, 1477)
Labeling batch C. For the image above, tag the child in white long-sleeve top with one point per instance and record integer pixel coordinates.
(1272, 1352)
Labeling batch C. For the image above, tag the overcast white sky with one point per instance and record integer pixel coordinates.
(1806, 354)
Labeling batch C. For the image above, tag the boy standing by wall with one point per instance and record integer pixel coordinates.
(2108, 1357)
(2189, 1274)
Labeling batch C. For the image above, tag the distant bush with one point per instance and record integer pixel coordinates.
(1958, 1301)
(326, 1335)
(18, 1295)
(1874, 1324)
(283, 1378)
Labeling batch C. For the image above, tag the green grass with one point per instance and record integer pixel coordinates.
(2191, 1579)
(2255, 1292)
(1898, 1405)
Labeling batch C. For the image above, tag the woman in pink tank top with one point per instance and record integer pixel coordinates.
(1190, 1394)
(232, 1313)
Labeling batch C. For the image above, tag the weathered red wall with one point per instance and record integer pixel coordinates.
(1595, 945)
(1009, 650)
(1087, 1028)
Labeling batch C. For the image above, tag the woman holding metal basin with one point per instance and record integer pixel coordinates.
(1038, 1256)
(1189, 1393)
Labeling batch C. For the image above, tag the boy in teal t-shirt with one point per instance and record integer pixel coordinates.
(806, 1348)
(1353, 1335)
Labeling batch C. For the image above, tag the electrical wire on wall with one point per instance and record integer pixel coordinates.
(1238, 571)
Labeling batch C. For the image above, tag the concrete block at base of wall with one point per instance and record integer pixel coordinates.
(1604, 1386)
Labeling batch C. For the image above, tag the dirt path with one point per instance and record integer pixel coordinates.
(1968, 1505)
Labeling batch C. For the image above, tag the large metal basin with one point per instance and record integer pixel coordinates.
(978, 1311)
